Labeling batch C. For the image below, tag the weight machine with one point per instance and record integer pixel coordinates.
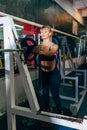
(72, 78)
(10, 50)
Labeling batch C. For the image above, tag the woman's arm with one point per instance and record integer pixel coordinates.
(46, 50)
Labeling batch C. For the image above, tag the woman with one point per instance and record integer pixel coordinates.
(50, 75)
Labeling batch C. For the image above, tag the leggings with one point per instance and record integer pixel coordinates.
(51, 81)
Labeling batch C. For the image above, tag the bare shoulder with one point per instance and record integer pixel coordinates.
(53, 44)
(55, 47)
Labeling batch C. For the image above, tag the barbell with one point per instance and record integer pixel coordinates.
(27, 45)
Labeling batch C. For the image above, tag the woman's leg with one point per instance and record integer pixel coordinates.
(54, 86)
(45, 89)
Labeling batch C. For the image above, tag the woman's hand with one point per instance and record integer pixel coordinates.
(36, 49)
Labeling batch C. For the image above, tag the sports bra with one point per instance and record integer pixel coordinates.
(46, 58)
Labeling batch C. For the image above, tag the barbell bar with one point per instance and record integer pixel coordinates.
(10, 50)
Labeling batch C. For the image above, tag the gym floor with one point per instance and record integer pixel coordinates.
(24, 123)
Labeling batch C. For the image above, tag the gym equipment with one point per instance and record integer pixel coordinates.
(34, 110)
(11, 50)
(28, 44)
(72, 78)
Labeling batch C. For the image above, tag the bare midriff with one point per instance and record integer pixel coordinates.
(47, 66)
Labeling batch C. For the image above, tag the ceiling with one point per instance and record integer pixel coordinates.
(80, 4)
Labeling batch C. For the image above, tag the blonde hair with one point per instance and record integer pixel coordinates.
(46, 26)
(49, 28)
